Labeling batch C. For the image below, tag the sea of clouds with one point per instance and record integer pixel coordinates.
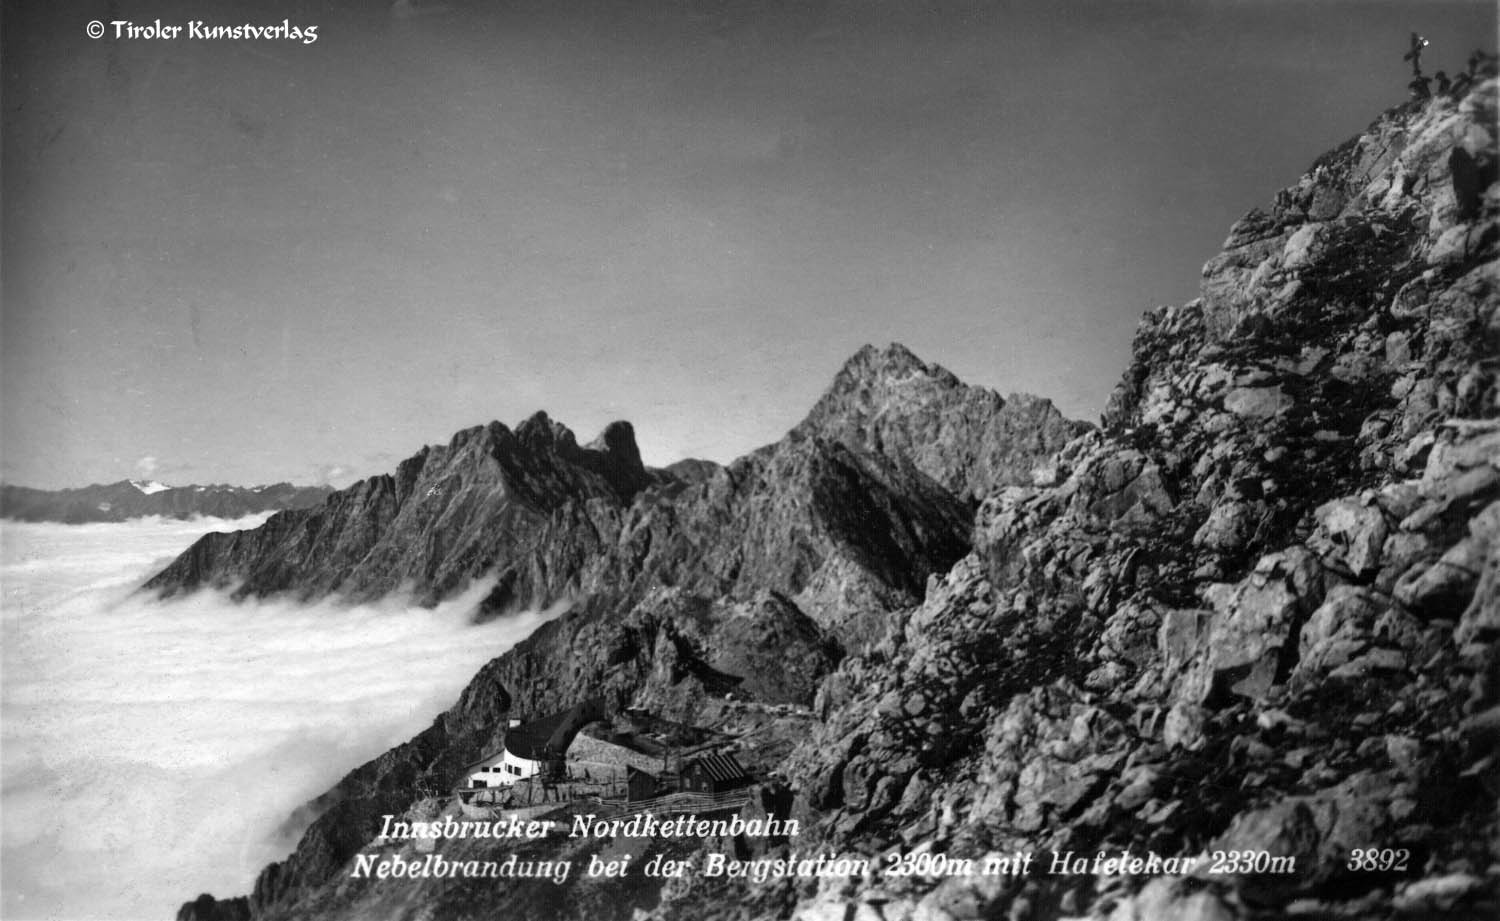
(150, 750)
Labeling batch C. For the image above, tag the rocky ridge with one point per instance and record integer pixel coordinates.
(822, 516)
(1256, 611)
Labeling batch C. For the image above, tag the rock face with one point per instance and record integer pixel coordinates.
(446, 515)
(1256, 612)
(130, 499)
(968, 439)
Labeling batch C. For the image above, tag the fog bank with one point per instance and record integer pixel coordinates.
(149, 750)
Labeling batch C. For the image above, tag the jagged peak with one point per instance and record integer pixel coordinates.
(491, 432)
(889, 402)
(879, 374)
(892, 363)
(537, 431)
(540, 433)
(613, 454)
(541, 430)
(871, 371)
(618, 441)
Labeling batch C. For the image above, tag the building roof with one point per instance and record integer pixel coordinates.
(492, 758)
(717, 767)
(549, 737)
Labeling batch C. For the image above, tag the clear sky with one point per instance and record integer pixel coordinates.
(258, 260)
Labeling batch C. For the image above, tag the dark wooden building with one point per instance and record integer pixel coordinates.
(640, 785)
(714, 774)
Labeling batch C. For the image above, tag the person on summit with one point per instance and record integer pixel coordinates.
(1420, 85)
(1414, 54)
(1444, 85)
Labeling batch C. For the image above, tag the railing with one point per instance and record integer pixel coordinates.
(562, 792)
(680, 803)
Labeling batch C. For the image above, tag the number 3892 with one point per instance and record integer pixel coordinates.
(1391, 860)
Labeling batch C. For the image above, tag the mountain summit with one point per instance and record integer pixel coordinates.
(970, 440)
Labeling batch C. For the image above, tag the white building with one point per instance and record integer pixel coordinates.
(533, 748)
(501, 769)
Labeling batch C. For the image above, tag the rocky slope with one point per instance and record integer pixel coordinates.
(131, 499)
(1257, 611)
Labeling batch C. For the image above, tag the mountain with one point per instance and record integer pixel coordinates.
(687, 582)
(138, 499)
(823, 516)
(968, 439)
(1255, 613)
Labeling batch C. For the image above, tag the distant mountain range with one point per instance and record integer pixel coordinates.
(142, 498)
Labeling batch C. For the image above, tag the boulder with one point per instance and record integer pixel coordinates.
(1349, 536)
